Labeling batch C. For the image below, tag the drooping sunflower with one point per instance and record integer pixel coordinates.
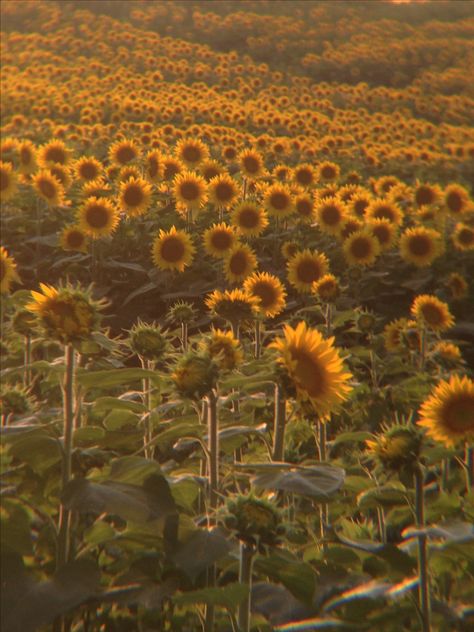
(63, 174)
(251, 163)
(191, 152)
(190, 190)
(306, 267)
(331, 214)
(54, 152)
(393, 334)
(304, 206)
(432, 313)
(448, 414)
(420, 246)
(173, 250)
(67, 313)
(361, 248)
(154, 168)
(270, 290)
(73, 238)
(397, 447)
(219, 239)
(224, 348)
(88, 168)
(304, 175)
(49, 188)
(249, 218)
(463, 237)
(123, 151)
(314, 366)
(328, 171)
(27, 155)
(8, 181)
(97, 217)
(457, 285)
(8, 273)
(222, 191)
(327, 288)
(384, 209)
(457, 200)
(278, 201)
(135, 196)
(385, 232)
(239, 262)
(232, 305)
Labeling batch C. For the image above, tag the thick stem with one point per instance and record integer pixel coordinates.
(322, 439)
(245, 577)
(280, 420)
(147, 436)
(328, 319)
(422, 348)
(424, 590)
(213, 448)
(68, 408)
(27, 357)
(184, 336)
(257, 339)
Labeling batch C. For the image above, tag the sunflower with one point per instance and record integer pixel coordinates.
(359, 203)
(361, 248)
(327, 288)
(457, 200)
(8, 273)
(224, 348)
(95, 188)
(190, 190)
(222, 190)
(432, 313)
(350, 225)
(27, 154)
(8, 181)
(328, 171)
(97, 217)
(447, 351)
(448, 414)
(463, 237)
(88, 168)
(384, 209)
(314, 366)
(54, 152)
(135, 196)
(457, 285)
(249, 218)
(171, 168)
(127, 172)
(232, 305)
(392, 334)
(123, 151)
(278, 201)
(251, 163)
(73, 238)
(289, 249)
(427, 194)
(384, 231)
(304, 175)
(63, 174)
(306, 267)
(420, 246)
(154, 168)
(49, 188)
(304, 206)
(219, 239)
(191, 152)
(270, 290)
(239, 262)
(331, 215)
(173, 250)
(397, 447)
(210, 169)
(195, 375)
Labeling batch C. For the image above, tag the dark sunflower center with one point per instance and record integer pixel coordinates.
(279, 201)
(153, 167)
(304, 207)
(432, 314)
(75, 239)
(189, 191)
(361, 248)
(125, 154)
(266, 293)
(454, 202)
(458, 414)
(62, 309)
(55, 154)
(221, 240)
(47, 188)
(308, 271)
(424, 195)
(25, 156)
(88, 171)
(420, 245)
(304, 176)
(384, 212)
(97, 216)
(224, 192)
(251, 164)
(309, 373)
(331, 215)
(238, 263)
(191, 154)
(172, 249)
(248, 218)
(466, 236)
(382, 233)
(328, 172)
(229, 153)
(171, 169)
(133, 195)
(210, 172)
(360, 206)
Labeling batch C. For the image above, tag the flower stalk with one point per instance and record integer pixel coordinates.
(280, 422)
(245, 577)
(424, 590)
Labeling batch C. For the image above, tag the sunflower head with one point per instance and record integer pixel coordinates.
(135, 196)
(224, 348)
(327, 288)
(181, 312)
(123, 152)
(432, 313)
(195, 375)
(8, 273)
(68, 314)
(270, 292)
(97, 217)
(191, 152)
(305, 268)
(222, 190)
(48, 187)
(448, 413)
(254, 520)
(463, 237)
(328, 171)
(447, 352)
(219, 239)
(15, 400)
(457, 200)
(23, 322)
(331, 214)
(234, 306)
(278, 201)
(289, 249)
(148, 341)
(74, 238)
(88, 168)
(190, 190)
(397, 447)
(239, 263)
(249, 218)
(251, 163)
(420, 246)
(361, 248)
(457, 285)
(173, 250)
(8, 181)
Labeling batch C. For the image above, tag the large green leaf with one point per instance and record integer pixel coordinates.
(201, 549)
(298, 577)
(228, 596)
(113, 377)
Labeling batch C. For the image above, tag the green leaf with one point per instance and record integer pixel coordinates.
(388, 495)
(229, 596)
(298, 577)
(15, 530)
(102, 404)
(318, 481)
(36, 448)
(113, 377)
(88, 435)
(203, 548)
(351, 437)
(133, 470)
(118, 419)
(99, 533)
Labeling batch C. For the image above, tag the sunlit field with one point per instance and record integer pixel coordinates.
(237, 273)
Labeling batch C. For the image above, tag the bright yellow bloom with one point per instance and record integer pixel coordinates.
(190, 190)
(270, 290)
(135, 196)
(97, 217)
(49, 188)
(306, 267)
(173, 250)
(251, 163)
(249, 218)
(123, 151)
(8, 273)
(222, 191)
(73, 238)
(224, 348)
(239, 262)
(278, 201)
(8, 181)
(420, 246)
(361, 248)
(88, 168)
(219, 239)
(191, 152)
(432, 313)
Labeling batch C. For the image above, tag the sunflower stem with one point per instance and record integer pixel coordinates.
(146, 391)
(280, 421)
(424, 591)
(469, 467)
(245, 577)
(68, 412)
(328, 319)
(422, 348)
(257, 339)
(445, 470)
(184, 336)
(213, 448)
(27, 357)
(323, 510)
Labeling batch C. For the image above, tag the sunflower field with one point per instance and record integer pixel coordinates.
(237, 322)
